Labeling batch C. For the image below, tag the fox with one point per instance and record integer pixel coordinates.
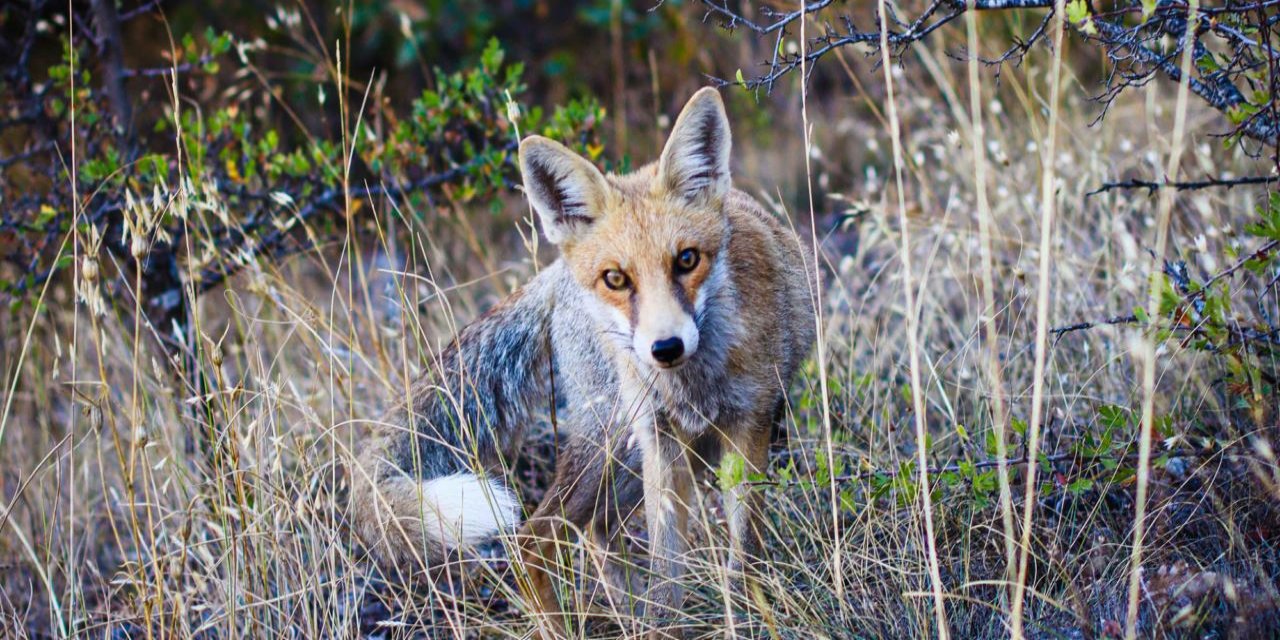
(666, 333)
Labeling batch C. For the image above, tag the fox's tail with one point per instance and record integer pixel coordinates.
(422, 484)
(406, 520)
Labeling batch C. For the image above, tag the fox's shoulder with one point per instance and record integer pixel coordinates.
(768, 259)
(756, 232)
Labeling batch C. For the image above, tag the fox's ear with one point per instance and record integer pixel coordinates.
(695, 162)
(566, 190)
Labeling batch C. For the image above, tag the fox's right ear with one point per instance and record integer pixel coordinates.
(566, 190)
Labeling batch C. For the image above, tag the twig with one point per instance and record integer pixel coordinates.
(735, 19)
(957, 468)
(211, 277)
(159, 72)
(1152, 186)
(109, 38)
(1258, 254)
(1241, 335)
(1132, 50)
(43, 147)
(1058, 332)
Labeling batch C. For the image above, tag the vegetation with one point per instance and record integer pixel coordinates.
(231, 235)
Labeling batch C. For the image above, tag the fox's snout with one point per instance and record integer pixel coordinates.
(664, 333)
(670, 348)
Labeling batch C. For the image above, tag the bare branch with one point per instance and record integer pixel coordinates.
(1191, 185)
(108, 25)
(1058, 332)
(329, 200)
(1135, 50)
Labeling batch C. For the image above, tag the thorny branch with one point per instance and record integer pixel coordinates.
(234, 200)
(863, 476)
(1058, 332)
(273, 242)
(1241, 83)
(1190, 318)
(34, 183)
(1187, 185)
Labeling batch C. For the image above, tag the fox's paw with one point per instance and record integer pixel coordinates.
(479, 566)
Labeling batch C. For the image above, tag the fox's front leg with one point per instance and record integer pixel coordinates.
(668, 482)
(741, 503)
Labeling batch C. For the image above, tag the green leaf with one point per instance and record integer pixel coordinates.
(1112, 417)
(991, 443)
(492, 56)
(847, 501)
(45, 215)
(823, 473)
(740, 79)
(984, 483)
(1078, 14)
(1148, 8)
(1019, 427)
(733, 469)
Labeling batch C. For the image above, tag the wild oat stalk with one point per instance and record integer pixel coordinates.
(1048, 204)
(1147, 352)
(837, 571)
(913, 336)
(977, 144)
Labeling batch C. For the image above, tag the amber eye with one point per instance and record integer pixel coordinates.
(616, 280)
(687, 260)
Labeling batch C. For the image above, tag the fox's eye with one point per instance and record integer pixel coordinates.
(687, 260)
(616, 280)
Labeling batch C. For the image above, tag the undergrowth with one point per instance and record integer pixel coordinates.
(177, 466)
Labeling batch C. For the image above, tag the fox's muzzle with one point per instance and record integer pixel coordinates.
(668, 340)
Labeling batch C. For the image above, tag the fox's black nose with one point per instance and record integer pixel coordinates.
(667, 351)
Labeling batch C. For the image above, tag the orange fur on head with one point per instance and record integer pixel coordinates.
(642, 236)
(639, 224)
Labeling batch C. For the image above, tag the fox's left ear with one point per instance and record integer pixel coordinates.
(695, 162)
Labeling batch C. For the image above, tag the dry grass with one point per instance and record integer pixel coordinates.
(115, 527)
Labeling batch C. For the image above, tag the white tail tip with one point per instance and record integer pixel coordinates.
(461, 509)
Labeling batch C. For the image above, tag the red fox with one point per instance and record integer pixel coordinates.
(666, 333)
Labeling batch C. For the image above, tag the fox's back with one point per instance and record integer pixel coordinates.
(775, 282)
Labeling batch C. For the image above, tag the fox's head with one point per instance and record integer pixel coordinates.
(648, 247)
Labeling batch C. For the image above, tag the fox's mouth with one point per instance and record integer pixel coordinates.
(663, 366)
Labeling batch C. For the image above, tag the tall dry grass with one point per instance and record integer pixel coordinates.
(117, 525)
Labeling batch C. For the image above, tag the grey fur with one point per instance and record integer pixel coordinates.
(496, 379)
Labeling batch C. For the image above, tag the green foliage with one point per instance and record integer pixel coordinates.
(732, 471)
(1201, 315)
(1078, 13)
(1267, 225)
(257, 171)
